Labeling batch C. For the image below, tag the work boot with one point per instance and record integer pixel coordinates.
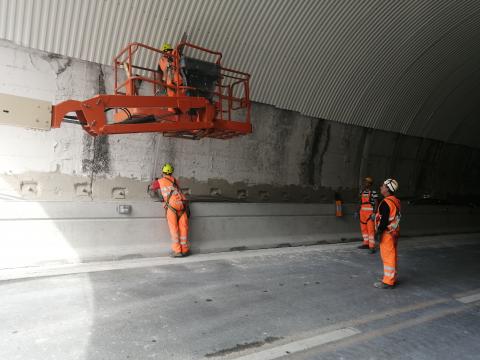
(373, 251)
(186, 253)
(175, 255)
(382, 285)
(364, 246)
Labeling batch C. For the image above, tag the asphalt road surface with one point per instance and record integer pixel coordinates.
(313, 302)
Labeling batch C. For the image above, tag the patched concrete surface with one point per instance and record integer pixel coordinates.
(237, 305)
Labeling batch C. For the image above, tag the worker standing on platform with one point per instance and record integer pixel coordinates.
(387, 223)
(170, 75)
(368, 207)
(176, 210)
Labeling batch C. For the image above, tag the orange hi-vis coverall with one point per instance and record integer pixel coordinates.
(176, 212)
(368, 199)
(387, 222)
(170, 76)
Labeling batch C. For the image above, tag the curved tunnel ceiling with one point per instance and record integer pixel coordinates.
(405, 66)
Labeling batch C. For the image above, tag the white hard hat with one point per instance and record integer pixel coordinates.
(391, 184)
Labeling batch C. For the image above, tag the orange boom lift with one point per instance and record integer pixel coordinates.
(206, 100)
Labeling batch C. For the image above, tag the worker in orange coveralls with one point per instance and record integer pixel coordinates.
(176, 208)
(387, 224)
(368, 207)
(169, 73)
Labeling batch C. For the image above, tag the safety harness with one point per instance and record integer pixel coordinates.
(178, 213)
(393, 223)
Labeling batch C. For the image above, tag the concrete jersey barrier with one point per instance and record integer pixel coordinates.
(36, 233)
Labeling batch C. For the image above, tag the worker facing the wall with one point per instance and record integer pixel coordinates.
(387, 224)
(368, 207)
(176, 210)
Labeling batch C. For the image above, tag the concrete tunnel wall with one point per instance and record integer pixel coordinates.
(290, 158)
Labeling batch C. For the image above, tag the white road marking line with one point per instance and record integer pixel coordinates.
(469, 299)
(383, 331)
(301, 345)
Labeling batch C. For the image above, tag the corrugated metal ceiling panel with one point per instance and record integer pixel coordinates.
(383, 64)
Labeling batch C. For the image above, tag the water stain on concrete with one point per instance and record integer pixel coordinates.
(244, 346)
(96, 154)
(315, 149)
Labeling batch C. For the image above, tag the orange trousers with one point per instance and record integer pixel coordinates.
(367, 227)
(388, 252)
(178, 231)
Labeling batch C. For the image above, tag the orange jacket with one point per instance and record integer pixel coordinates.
(368, 199)
(171, 193)
(392, 223)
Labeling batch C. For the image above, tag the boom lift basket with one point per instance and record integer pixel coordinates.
(202, 98)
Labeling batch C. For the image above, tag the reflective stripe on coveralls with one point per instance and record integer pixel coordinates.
(388, 253)
(394, 216)
(389, 240)
(367, 226)
(175, 207)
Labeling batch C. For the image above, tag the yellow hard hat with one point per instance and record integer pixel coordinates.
(166, 47)
(167, 169)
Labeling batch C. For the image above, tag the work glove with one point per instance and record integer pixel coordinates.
(155, 195)
(372, 217)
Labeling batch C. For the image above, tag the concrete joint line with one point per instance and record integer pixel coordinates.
(256, 216)
(97, 219)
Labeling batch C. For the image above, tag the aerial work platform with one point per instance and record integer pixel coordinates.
(184, 92)
(197, 98)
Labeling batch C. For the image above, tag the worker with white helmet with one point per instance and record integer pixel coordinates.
(387, 225)
(368, 207)
(176, 210)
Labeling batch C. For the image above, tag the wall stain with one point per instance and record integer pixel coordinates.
(96, 154)
(63, 67)
(323, 151)
(101, 81)
(311, 150)
(315, 149)
(62, 62)
(244, 346)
